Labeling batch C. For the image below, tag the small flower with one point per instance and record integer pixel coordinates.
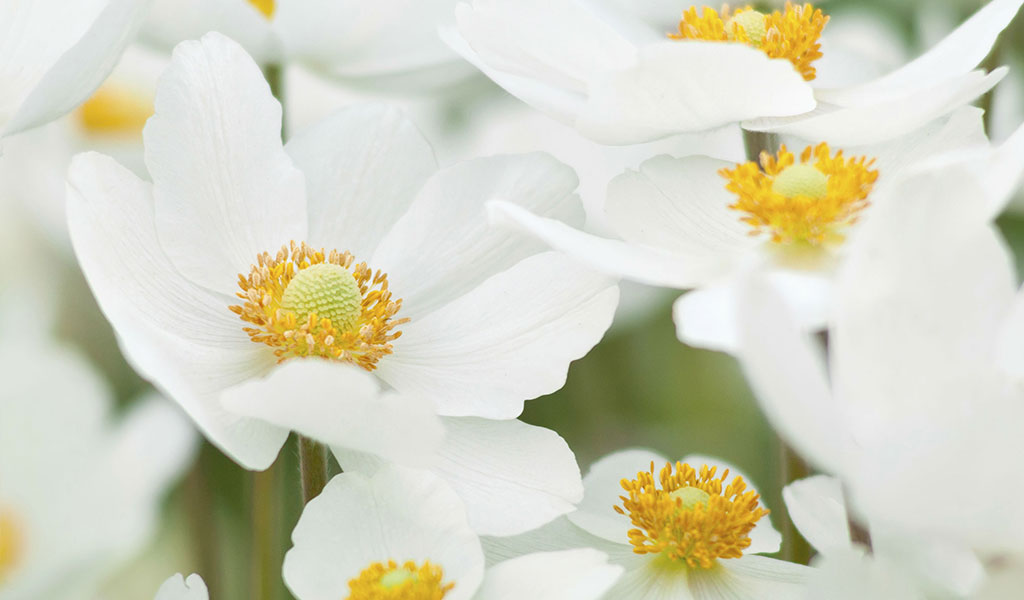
(620, 76)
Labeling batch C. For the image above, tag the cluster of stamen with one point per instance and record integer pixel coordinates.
(692, 517)
(392, 581)
(116, 110)
(289, 320)
(11, 542)
(793, 34)
(808, 202)
(266, 7)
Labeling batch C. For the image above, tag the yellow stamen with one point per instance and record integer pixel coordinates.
(286, 317)
(264, 6)
(395, 582)
(793, 34)
(693, 518)
(115, 110)
(12, 542)
(809, 202)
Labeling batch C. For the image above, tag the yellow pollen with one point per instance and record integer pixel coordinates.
(115, 110)
(264, 6)
(399, 582)
(305, 302)
(11, 542)
(809, 202)
(793, 34)
(694, 517)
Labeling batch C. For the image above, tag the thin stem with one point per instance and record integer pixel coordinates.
(756, 142)
(792, 468)
(200, 510)
(313, 467)
(266, 534)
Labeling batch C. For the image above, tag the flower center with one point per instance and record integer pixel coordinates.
(807, 202)
(399, 582)
(793, 34)
(115, 110)
(12, 542)
(694, 517)
(264, 6)
(305, 302)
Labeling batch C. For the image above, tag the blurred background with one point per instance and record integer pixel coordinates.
(639, 387)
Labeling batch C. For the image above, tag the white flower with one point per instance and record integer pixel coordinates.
(695, 537)
(486, 321)
(180, 588)
(918, 412)
(57, 53)
(682, 227)
(406, 530)
(383, 44)
(614, 74)
(80, 491)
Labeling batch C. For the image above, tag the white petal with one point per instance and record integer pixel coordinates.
(341, 405)
(960, 52)
(175, 333)
(556, 536)
(679, 205)
(363, 166)
(173, 21)
(398, 514)
(595, 514)
(582, 574)
(682, 86)
(82, 59)
(788, 377)
(883, 118)
(508, 340)
(818, 510)
(634, 262)
(225, 190)
(1006, 173)
(443, 246)
(852, 575)
(178, 588)
(750, 578)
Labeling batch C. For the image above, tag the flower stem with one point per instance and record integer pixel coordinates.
(266, 534)
(313, 467)
(792, 468)
(756, 142)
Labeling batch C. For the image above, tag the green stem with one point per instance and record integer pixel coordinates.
(266, 535)
(200, 509)
(313, 468)
(792, 468)
(274, 74)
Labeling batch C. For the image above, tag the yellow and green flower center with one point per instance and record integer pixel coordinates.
(793, 34)
(809, 202)
(264, 6)
(690, 517)
(115, 110)
(305, 302)
(12, 542)
(392, 581)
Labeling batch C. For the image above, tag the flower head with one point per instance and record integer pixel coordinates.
(394, 581)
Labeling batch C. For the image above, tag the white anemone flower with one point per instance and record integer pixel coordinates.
(686, 530)
(80, 489)
(242, 254)
(56, 53)
(613, 71)
(924, 371)
(378, 44)
(701, 223)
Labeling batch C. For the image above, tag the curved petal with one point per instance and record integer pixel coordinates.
(677, 87)
(852, 575)
(595, 514)
(882, 118)
(363, 167)
(82, 59)
(1007, 171)
(224, 188)
(180, 336)
(818, 510)
(179, 588)
(508, 340)
(443, 246)
(582, 574)
(556, 536)
(751, 577)
(341, 405)
(173, 21)
(398, 514)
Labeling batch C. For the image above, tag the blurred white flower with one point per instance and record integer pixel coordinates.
(56, 53)
(688, 530)
(405, 531)
(612, 71)
(379, 44)
(179, 588)
(486, 321)
(80, 491)
(698, 222)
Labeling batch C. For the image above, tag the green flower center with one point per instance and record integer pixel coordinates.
(327, 289)
(691, 496)
(397, 578)
(752, 23)
(801, 180)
